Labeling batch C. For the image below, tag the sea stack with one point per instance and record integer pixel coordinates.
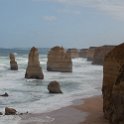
(73, 52)
(59, 60)
(34, 69)
(113, 85)
(13, 63)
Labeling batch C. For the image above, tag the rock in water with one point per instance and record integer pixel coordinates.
(59, 60)
(73, 52)
(10, 111)
(34, 69)
(5, 95)
(113, 85)
(13, 63)
(54, 87)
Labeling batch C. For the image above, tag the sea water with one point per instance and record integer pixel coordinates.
(32, 95)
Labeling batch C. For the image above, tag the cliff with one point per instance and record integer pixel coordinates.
(113, 85)
(100, 53)
(90, 53)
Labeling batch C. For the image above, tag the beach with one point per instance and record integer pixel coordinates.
(89, 111)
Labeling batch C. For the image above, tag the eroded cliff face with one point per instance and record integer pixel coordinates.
(13, 63)
(90, 53)
(83, 53)
(59, 60)
(100, 53)
(34, 69)
(113, 85)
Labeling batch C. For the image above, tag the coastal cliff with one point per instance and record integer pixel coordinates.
(100, 53)
(113, 85)
(90, 53)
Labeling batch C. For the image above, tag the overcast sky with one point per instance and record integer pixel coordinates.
(68, 23)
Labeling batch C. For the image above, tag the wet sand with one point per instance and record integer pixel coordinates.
(89, 111)
(94, 108)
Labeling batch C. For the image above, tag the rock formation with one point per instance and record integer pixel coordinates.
(5, 95)
(83, 53)
(33, 69)
(13, 63)
(90, 53)
(113, 85)
(100, 53)
(59, 60)
(54, 87)
(74, 53)
(10, 111)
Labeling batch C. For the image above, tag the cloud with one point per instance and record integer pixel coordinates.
(69, 11)
(111, 7)
(49, 18)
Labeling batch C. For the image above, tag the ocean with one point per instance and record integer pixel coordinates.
(32, 95)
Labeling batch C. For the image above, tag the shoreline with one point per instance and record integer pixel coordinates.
(93, 106)
(87, 111)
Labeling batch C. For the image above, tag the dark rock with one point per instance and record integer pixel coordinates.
(5, 95)
(1, 113)
(54, 87)
(10, 111)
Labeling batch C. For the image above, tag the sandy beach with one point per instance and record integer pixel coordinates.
(93, 106)
(89, 111)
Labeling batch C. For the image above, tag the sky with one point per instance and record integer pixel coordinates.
(67, 23)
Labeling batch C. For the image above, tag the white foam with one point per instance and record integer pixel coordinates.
(32, 95)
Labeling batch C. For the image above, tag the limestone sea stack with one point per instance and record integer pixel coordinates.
(113, 85)
(83, 53)
(13, 63)
(73, 52)
(59, 60)
(34, 69)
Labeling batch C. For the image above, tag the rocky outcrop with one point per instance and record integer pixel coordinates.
(90, 53)
(100, 53)
(83, 53)
(13, 63)
(10, 111)
(59, 60)
(113, 85)
(34, 69)
(54, 87)
(74, 53)
(4, 95)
